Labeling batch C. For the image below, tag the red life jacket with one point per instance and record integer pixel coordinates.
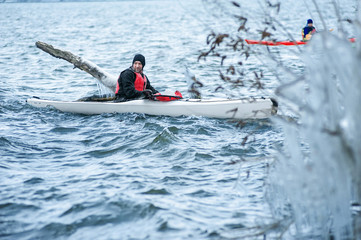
(140, 83)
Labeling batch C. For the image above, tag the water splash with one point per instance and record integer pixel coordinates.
(320, 168)
(193, 84)
(103, 90)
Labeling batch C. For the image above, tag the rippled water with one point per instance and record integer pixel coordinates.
(122, 176)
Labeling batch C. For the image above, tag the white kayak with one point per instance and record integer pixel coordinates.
(214, 108)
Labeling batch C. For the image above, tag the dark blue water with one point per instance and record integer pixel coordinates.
(122, 176)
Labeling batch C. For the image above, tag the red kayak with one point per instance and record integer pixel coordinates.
(287, 43)
(271, 43)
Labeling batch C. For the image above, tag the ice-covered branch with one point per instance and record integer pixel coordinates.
(104, 77)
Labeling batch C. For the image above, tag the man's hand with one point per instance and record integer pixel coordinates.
(148, 94)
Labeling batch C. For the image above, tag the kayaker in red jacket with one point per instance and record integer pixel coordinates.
(308, 31)
(133, 83)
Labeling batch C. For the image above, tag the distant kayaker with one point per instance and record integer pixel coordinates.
(308, 31)
(133, 83)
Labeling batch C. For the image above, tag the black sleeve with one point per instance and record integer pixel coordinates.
(154, 91)
(128, 79)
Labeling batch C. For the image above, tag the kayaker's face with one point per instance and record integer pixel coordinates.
(137, 66)
(310, 24)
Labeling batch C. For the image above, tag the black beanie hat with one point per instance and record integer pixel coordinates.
(309, 21)
(140, 58)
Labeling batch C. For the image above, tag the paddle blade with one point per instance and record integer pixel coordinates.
(166, 98)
